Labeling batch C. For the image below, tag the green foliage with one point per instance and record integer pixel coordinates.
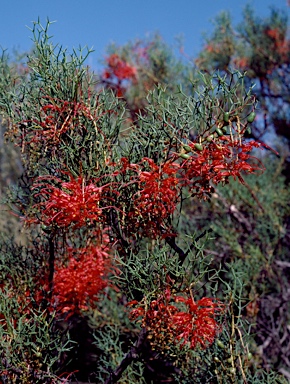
(31, 346)
(115, 135)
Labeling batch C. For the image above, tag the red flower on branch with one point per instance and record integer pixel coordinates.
(78, 285)
(197, 325)
(56, 118)
(211, 48)
(241, 62)
(156, 199)
(167, 323)
(73, 203)
(217, 162)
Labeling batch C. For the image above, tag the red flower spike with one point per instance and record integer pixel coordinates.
(156, 198)
(56, 118)
(77, 285)
(217, 161)
(196, 326)
(73, 203)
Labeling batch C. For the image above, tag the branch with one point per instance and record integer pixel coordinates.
(118, 231)
(235, 213)
(282, 264)
(132, 355)
(171, 241)
(51, 263)
(182, 255)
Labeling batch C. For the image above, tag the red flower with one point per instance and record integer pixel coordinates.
(196, 326)
(158, 195)
(73, 202)
(56, 118)
(212, 48)
(119, 68)
(156, 198)
(166, 323)
(218, 161)
(77, 285)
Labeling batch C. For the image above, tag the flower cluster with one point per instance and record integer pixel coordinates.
(77, 285)
(196, 325)
(57, 121)
(167, 323)
(155, 199)
(73, 203)
(156, 192)
(217, 161)
(116, 72)
(56, 117)
(241, 62)
(119, 68)
(26, 296)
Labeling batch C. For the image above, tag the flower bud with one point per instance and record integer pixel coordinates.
(220, 344)
(210, 138)
(219, 132)
(187, 148)
(184, 156)
(198, 146)
(251, 117)
(226, 117)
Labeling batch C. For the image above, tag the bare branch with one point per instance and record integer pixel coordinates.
(132, 355)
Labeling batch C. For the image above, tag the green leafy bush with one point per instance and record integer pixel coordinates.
(151, 231)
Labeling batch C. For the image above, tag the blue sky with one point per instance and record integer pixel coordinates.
(96, 23)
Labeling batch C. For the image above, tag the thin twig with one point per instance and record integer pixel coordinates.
(132, 355)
